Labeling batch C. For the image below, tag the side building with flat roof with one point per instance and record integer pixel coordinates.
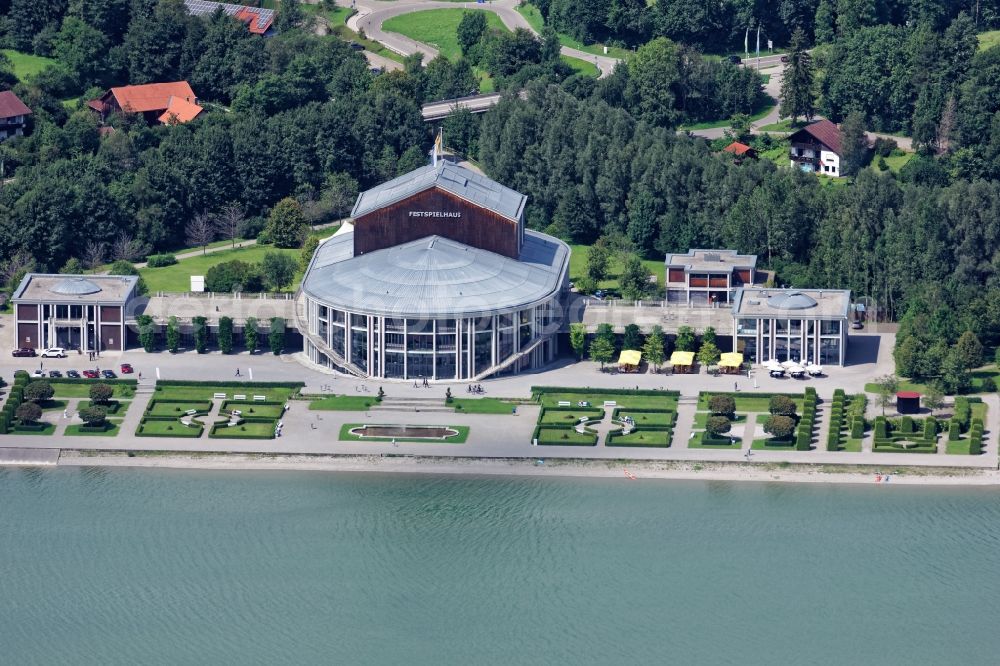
(708, 277)
(85, 312)
(802, 325)
(437, 279)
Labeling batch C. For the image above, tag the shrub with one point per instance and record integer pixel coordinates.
(954, 431)
(101, 394)
(906, 425)
(989, 385)
(780, 427)
(930, 429)
(200, 325)
(226, 334)
(833, 440)
(94, 416)
(718, 425)
(963, 412)
(722, 404)
(233, 276)
(276, 335)
(160, 260)
(39, 391)
(147, 332)
(857, 428)
(881, 428)
(781, 405)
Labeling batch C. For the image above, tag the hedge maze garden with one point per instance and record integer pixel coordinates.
(569, 416)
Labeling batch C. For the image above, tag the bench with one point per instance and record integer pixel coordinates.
(191, 412)
(236, 412)
(239, 397)
(220, 396)
(583, 403)
(565, 403)
(610, 403)
(260, 398)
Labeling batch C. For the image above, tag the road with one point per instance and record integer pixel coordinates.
(475, 103)
(373, 13)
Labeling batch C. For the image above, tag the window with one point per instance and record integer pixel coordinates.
(829, 327)
(445, 366)
(394, 365)
(780, 326)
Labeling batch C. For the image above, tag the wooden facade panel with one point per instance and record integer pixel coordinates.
(743, 276)
(27, 311)
(434, 212)
(111, 313)
(27, 336)
(676, 275)
(718, 281)
(111, 337)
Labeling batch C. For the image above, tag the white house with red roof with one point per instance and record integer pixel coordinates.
(13, 115)
(817, 148)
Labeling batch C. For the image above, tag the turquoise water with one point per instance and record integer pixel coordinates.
(167, 567)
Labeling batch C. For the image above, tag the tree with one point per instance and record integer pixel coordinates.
(933, 398)
(125, 248)
(73, 266)
(147, 332)
(955, 378)
(28, 413)
(601, 351)
(598, 257)
(276, 335)
(200, 325)
(854, 142)
(708, 335)
(200, 231)
(969, 350)
(234, 276)
(632, 338)
(226, 334)
(93, 254)
(708, 354)
(653, 348)
(286, 225)
(634, 279)
(94, 417)
(779, 426)
(470, 29)
(685, 339)
(101, 394)
(718, 425)
(290, 17)
(173, 334)
(781, 405)
(250, 334)
(229, 221)
(887, 387)
(606, 332)
(722, 404)
(278, 270)
(797, 81)
(578, 339)
(307, 252)
(39, 390)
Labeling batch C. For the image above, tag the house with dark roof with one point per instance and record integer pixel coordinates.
(13, 115)
(817, 148)
(164, 103)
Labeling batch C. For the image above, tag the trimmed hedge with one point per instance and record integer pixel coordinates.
(539, 390)
(976, 437)
(954, 431)
(31, 427)
(246, 385)
(160, 260)
(963, 413)
(857, 428)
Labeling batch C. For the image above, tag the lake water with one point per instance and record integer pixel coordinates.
(166, 567)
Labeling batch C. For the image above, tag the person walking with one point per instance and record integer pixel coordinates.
(237, 372)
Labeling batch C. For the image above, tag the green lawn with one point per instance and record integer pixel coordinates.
(536, 21)
(254, 409)
(336, 16)
(894, 162)
(172, 428)
(177, 409)
(659, 438)
(649, 419)
(343, 403)
(481, 406)
(988, 40)
(206, 393)
(581, 66)
(117, 408)
(555, 417)
(700, 418)
(625, 401)
(437, 27)
(988, 371)
(74, 431)
(748, 402)
(177, 278)
(347, 436)
(785, 125)
(724, 122)
(245, 430)
(565, 437)
(25, 64)
(49, 429)
(578, 268)
(82, 389)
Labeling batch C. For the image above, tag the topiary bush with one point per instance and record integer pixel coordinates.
(718, 425)
(722, 404)
(781, 405)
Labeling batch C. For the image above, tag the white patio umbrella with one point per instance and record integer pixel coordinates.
(796, 369)
(772, 364)
(814, 369)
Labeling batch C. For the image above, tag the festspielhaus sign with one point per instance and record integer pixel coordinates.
(434, 213)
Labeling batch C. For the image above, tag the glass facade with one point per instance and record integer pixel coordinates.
(801, 340)
(447, 348)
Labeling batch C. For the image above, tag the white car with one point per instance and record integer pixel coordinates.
(54, 352)
(37, 373)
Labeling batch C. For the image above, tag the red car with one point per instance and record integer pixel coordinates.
(90, 374)
(126, 368)
(25, 351)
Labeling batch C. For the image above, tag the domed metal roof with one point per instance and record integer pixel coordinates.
(77, 286)
(791, 300)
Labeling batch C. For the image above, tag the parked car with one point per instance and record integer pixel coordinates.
(108, 374)
(72, 374)
(856, 325)
(90, 374)
(735, 59)
(784, 58)
(376, 70)
(25, 351)
(37, 373)
(54, 352)
(55, 373)
(126, 368)
(357, 47)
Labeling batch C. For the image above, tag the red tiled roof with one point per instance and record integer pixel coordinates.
(256, 23)
(907, 394)
(151, 96)
(11, 106)
(823, 131)
(179, 111)
(736, 148)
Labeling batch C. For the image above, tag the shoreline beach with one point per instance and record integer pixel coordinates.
(625, 469)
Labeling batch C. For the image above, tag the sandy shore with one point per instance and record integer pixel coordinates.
(757, 472)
